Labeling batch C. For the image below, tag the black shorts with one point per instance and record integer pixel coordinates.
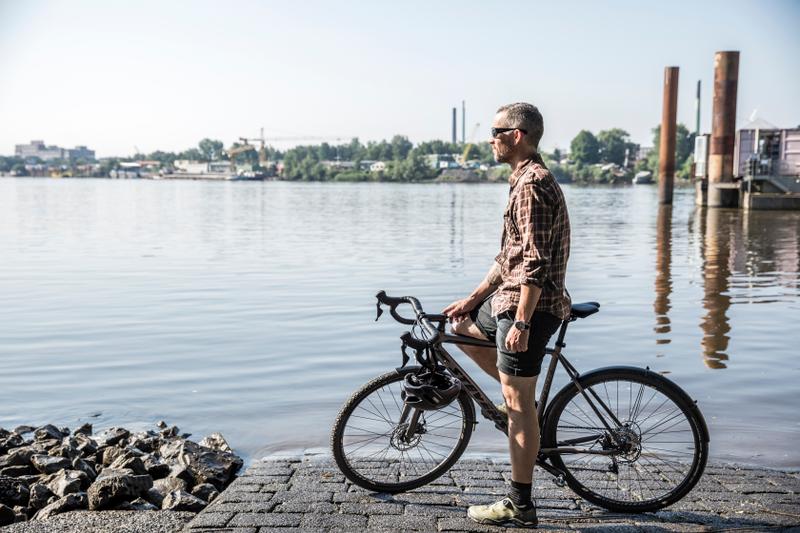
(523, 364)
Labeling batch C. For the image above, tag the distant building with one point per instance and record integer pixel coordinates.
(442, 161)
(766, 149)
(37, 148)
(80, 152)
(643, 152)
(344, 165)
(378, 166)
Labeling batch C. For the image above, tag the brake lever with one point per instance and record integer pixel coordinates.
(406, 358)
(380, 310)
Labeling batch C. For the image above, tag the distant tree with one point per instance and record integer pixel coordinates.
(211, 149)
(585, 148)
(612, 145)
(556, 155)
(401, 146)
(193, 154)
(18, 169)
(684, 149)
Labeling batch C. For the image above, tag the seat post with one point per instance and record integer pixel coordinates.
(562, 332)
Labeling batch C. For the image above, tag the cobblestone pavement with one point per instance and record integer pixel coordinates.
(311, 494)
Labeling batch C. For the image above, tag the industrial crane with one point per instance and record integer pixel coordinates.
(262, 152)
(468, 146)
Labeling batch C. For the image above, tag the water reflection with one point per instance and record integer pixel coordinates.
(663, 289)
(715, 230)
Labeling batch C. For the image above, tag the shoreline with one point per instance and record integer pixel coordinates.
(308, 493)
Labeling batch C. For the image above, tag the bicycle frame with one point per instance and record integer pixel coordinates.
(489, 410)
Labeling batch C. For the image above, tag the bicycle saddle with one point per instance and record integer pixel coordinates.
(585, 309)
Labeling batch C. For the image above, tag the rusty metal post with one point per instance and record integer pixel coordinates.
(666, 152)
(721, 191)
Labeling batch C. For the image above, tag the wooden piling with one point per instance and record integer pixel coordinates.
(666, 152)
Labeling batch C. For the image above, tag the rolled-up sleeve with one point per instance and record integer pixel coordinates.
(534, 218)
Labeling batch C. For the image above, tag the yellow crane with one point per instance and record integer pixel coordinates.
(468, 146)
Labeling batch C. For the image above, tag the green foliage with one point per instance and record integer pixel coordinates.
(613, 145)
(9, 164)
(585, 148)
(211, 149)
(684, 150)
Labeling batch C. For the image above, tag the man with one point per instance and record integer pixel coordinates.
(521, 302)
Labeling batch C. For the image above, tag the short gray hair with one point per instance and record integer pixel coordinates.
(527, 117)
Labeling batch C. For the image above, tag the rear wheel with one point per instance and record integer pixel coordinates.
(371, 445)
(650, 461)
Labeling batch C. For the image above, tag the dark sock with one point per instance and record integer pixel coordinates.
(520, 494)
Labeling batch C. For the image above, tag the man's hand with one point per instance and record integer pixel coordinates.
(458, 310)
(517, 340)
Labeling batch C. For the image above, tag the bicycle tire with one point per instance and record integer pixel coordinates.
(671, 467)
(395, 471)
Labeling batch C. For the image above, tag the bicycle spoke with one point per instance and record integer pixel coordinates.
(659, 438)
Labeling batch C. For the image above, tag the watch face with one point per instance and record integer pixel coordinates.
(519, 324)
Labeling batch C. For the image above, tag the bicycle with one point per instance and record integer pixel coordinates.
(624, 438)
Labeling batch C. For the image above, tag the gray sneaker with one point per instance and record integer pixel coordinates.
(504, 513)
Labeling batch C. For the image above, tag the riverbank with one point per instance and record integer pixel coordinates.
(309, 494)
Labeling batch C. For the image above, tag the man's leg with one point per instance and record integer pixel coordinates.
(486, 358)
(523, 425)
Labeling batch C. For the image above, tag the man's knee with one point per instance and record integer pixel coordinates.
(468, 328)
(518, 392)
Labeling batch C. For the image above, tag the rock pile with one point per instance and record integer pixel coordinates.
(48, 470)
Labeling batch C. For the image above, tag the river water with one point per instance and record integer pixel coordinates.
(248, 308)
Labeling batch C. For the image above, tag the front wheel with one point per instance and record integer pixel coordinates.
(371, 442)
(651, 459)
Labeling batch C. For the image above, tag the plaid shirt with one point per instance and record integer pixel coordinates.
(535, 243)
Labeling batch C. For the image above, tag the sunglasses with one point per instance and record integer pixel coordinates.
(498, 131)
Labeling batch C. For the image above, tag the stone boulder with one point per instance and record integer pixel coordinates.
(110, 454)
(17, 457)
(107, 492)
(154, 496)
(169, 484)
(7, 515)
(132, 463)
(50, 432)
(112, 436)
(9, 440)
(47, 464)
(68, 481)
(13, 492)
(70, 502)
(155, 467)
(206, 492)
(86, 467)
(39, 496)
(179, 500)
(85, 429)
(18, 471)
(217, 442)
(85, 444)
(210, 466)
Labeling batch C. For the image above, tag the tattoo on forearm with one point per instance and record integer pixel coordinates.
(493, 277)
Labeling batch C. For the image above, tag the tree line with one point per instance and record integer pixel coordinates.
(587, 162)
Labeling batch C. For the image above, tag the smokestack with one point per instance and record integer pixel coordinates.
(723, 131)
(697, 111)
(454, 126)
(666, 152)
(463, 122)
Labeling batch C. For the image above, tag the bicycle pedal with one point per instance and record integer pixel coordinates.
(560, 481)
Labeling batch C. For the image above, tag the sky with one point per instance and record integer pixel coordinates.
(122, 77)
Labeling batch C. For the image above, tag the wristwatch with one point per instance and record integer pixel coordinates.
(522, 325)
